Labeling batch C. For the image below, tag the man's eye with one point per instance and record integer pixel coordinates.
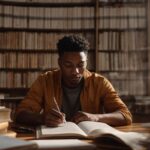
(68, 65)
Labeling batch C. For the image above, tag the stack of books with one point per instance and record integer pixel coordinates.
(4, 122)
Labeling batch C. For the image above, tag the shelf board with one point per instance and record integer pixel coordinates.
(121, 71)
(123, 51)
(17, 50)
(21, 69)
(9, 29)
(12, 99)
(5, 50)
(121, 30)
(120, 3)
(121, 17)
(47, 4)
(69, 4)
(39, 30)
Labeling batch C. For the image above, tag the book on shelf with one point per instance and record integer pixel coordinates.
(9, 143)
(3, 95)
(67, 144)
(92, 130)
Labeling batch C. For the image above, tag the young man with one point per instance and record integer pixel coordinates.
(72, 93)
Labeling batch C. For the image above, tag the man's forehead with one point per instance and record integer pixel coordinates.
(74, 55)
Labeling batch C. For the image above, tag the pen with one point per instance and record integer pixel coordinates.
(58, 109)
(56, 104)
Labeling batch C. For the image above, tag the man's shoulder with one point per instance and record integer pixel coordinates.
(96, 80)
(50, 74)
(93, 75)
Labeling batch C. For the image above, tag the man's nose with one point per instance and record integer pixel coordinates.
(75, 70)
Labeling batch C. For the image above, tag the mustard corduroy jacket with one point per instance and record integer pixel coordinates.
(97, 95)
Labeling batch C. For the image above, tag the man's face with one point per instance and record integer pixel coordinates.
(72, 65)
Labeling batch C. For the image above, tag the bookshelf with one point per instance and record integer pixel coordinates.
(29, 32)
(122, 47)
(118, 32)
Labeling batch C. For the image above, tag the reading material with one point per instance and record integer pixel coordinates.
(3, 127)
(3, 95)
(9, 133)
(4, 114)
(92, 130)
(65, 144)
(8, 143)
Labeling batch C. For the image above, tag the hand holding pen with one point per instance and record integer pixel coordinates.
(55, 117)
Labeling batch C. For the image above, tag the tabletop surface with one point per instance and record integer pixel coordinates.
(134, 127)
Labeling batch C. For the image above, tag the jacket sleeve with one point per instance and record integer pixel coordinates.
(33, 99)
(112, 102)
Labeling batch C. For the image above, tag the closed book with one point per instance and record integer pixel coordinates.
(9, 143)
(9, 133)
(64, 144)
(4, 114)
(3, 127)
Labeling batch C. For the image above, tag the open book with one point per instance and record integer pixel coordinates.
(92, 130)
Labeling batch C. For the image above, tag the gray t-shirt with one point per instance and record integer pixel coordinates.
(71, 101)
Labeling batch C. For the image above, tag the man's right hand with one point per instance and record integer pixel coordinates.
(54, 118)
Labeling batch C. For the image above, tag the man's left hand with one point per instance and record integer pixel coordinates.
(84, 116)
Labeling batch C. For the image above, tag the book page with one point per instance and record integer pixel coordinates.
(90, 126)
(68, 129)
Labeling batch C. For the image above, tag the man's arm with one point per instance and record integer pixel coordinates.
(29, 118)
(113, 119)
(53, 118)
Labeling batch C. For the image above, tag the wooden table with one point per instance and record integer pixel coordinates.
(136, 127)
